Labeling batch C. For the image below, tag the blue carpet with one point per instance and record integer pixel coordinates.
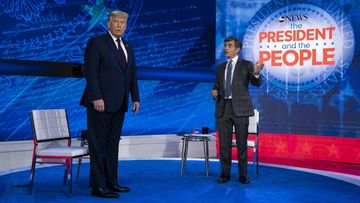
(159, 181)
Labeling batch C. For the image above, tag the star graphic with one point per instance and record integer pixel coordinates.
(333, 150)
(306, 149)
(357, 153)
(280, 147)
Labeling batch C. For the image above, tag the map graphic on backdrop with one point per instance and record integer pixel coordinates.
(166, 106)
(170, 35)
(309, 108)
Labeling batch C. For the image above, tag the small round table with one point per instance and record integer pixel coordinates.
(186, 137)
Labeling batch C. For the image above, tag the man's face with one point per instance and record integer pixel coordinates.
(117, 25)
(230, 50)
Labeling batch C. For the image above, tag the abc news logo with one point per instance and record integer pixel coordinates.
(293, 18)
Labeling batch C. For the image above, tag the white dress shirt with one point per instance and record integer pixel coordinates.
(234, 60)
(121, 44)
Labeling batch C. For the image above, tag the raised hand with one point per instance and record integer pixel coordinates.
(258, 67)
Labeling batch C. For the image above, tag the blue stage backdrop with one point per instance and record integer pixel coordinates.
(311, 55)
(165, 34)
(310, 84)
(166, 106)
(171, 39)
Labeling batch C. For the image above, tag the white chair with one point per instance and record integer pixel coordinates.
(52, 142)
(254, 144)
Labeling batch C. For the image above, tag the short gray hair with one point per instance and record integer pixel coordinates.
(118, 13)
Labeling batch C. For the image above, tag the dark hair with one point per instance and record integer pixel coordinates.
(238, 43)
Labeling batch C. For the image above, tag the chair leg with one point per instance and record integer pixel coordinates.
(186, 152)
(257, 161)
(206, 155)
(78, 170)
(69, 175)
(65, 173)
(32, 173)
(182, 156)
(254, 160)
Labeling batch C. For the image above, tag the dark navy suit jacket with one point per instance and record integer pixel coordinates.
(105, 77)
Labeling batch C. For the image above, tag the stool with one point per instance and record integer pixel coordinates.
(194, 138)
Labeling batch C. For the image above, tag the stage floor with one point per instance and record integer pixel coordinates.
(160, 181)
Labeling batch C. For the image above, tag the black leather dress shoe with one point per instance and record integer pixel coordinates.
(244, 180)
(223, 179)
(99, 192)
(118, 188)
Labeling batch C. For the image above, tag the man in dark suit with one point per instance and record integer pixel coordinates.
(234, 106)
(110, 77)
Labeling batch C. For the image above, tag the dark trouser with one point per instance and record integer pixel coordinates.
(225, 127)
(104, 130)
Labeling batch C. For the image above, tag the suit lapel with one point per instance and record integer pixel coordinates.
(128, 55)
(222, 75)
(114, 49)
(237, 69)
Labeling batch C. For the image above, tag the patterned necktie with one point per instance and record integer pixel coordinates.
(228, 80)
(122, 54)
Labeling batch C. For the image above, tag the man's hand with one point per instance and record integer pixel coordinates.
(214, 93)
(135, 107)
(99, 105)
(258, 67)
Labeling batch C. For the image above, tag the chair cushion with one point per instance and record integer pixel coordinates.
(63, 151)
(251, 143)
